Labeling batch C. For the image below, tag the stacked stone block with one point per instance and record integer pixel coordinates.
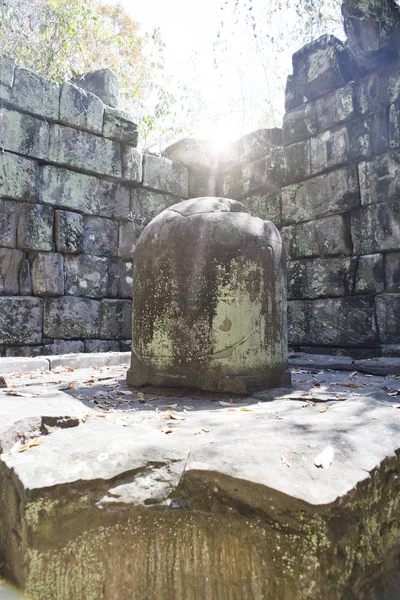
(330, 180)
(74, 194)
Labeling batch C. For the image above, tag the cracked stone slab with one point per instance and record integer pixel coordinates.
(204, 484)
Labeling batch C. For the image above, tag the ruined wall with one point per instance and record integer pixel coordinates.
(71, 180)
(75, 193)
(331, 183)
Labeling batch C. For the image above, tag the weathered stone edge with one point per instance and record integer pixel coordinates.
(10, 365)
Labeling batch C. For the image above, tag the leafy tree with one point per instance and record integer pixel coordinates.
(64, 38)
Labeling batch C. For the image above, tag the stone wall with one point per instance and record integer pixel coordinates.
(71, 180)
(75, 193)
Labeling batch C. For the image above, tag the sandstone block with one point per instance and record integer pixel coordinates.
(127, 239)
(62, 347)
(5, 93)
(8, 223)
(372, 29)
(17, 177)
(7, 68)
(293, 163)
(101, 346)
(322, 237)
(27, 351)
(132, 161)
(10, 264)
(293, 98)
(202, 183)
(244, 181)
(116, 320)
(36, 94)
(329, 149)
(103, 83)
(198, 155)
(24, 134)
(114, 200)
(25, 278)
(360, 135)
(267, 208)
(392, 272)
(164, 175)
(83, 150)
(67, 189)
(376, 228)
(250, 147)
(146, 205)
(119, 125)
(113, 278)
(336, 108)
(300, 124)
(125, 279)
(100, 237)
(125, 345)
(387, 311)
(81, 109)
(379, 179)
(86, 276)
(69, 230)
(321, 66)
(21, 320)
(333, 322)
(70, 317)
(35, 227)
(369, 275)
(327, 277)
(394, 126)
(48, 274)
(324, 195)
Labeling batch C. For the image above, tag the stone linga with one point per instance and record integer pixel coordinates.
(209, 300)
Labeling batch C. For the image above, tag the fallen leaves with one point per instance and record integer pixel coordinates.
(31, 444)
(324, 409)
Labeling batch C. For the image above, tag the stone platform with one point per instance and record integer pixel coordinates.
(288, 494)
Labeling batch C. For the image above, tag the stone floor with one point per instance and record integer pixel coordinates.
(291, 462)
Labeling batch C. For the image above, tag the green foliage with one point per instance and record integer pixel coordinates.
(62, 39)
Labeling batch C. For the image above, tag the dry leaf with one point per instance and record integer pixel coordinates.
(231, 409)
(222, 403)
(285, 462)
(351, 385)
(325, 458)
(35, 442)
(169, 406)
(245, 409)
(177, 417)
(305, 394)
(205, 429)
(169, 430)
(324, 409)
(71, 386)
(31, 444)
(16, 393)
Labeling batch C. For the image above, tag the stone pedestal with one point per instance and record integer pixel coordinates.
(209, 300)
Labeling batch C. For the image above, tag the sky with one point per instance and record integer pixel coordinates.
(189, 30)
(236, 94)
